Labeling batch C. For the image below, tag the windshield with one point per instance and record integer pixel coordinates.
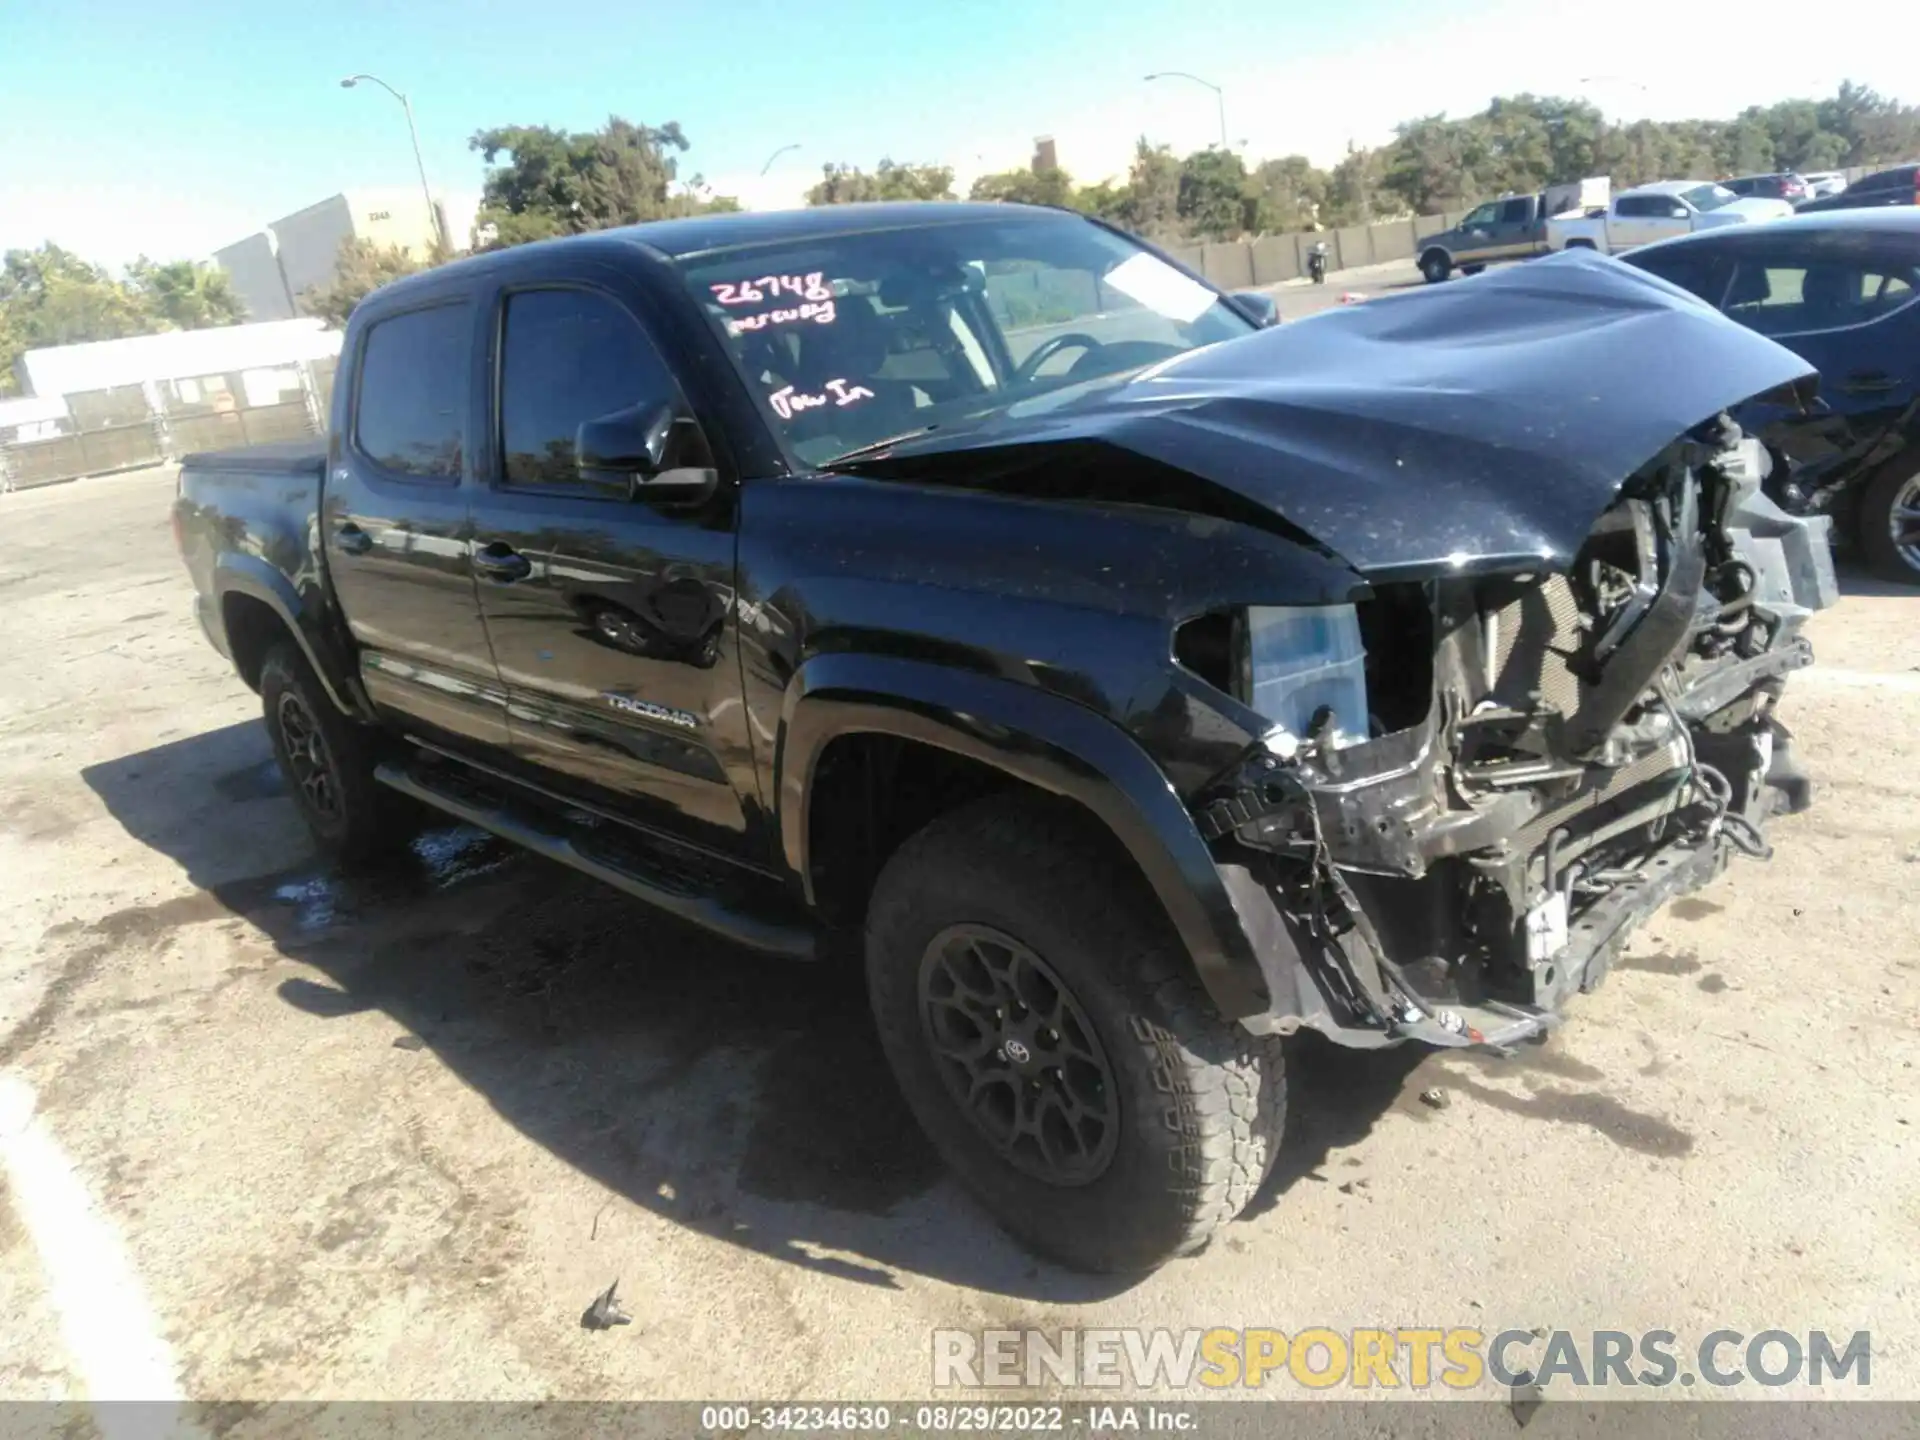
(849, 340)
(1708, 197)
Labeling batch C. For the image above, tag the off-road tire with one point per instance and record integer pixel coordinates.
(367, 822)
(1435, 266)
(1200, 1103)
(1872, 528)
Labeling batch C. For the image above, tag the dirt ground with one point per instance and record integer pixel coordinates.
(388, 1139)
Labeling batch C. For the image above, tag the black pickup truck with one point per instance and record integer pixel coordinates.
(1135, 681)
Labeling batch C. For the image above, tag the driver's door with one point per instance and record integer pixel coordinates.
(610, 615)
(1668, 216)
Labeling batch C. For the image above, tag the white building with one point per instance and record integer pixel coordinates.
(274, 268)
(259, 354)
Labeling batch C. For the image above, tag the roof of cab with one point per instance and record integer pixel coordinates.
(699, 234)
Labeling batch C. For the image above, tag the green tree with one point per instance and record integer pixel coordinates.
(1290, 192)
(1355, 193)
(850, 185)
(361, 268)
(50, 296)
(1151, 206)
(185, 294)
(1433, 164)
(1214, 199)
(562, 182)
(1025, 187)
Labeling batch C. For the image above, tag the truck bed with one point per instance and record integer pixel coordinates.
(291, 457)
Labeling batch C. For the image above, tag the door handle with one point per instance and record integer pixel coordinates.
(353, 540)
(502, 563)
(1868, 382)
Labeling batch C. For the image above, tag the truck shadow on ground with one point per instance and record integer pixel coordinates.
(743, 1098)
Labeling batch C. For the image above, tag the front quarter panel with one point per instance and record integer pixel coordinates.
(1035, 636)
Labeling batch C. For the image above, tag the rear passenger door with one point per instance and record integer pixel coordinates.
(610, 614)
(394, 524)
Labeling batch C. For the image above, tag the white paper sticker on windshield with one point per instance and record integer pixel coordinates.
(1161, 288)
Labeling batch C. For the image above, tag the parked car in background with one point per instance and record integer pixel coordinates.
(1822, 183)
(1897, 185)
(1514, 227)
(1843, 292)
(1781, 185)
(1659, 211)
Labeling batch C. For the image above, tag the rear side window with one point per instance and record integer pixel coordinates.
(1516, 212)
(1786, 297)
(569, 356)
(1885, 180)
(1630, 207)
(411, 401)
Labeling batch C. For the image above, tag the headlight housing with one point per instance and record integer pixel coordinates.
(1293, 661)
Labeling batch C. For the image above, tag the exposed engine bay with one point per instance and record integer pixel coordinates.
(1545, 758)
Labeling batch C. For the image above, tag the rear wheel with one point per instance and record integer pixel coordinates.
(328, 761)
(1435, 266)
(1049, 1035)
(1889, 525)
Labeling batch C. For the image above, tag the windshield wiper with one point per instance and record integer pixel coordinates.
(861, 451)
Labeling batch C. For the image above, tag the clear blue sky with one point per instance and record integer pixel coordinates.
(174, 126)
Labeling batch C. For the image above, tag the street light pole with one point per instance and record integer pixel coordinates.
(777, 154)
(1219, 95)
(413, 134)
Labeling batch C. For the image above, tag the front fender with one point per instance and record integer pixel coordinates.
(1044, 740)
(256, 578)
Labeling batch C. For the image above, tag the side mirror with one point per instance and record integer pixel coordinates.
(642, 449)
(1260, 308)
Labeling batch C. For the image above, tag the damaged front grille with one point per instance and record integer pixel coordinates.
(1596, 737)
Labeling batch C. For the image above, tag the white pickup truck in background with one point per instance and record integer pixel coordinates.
(1658, 212)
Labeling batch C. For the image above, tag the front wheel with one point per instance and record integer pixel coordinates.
(1049, 1035)
(1889, 521)
(328, 762)
(1435, 266)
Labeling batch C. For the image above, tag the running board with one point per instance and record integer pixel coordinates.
(625, 866)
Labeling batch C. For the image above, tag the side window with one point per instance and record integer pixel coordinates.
(1879, 180)
(410, 405)
(1784, 297)
(1481, 215)
(1630, 207)
(1516, 212)
(568, 356)
(1686, 267)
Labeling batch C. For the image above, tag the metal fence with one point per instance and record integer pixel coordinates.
(128, 426)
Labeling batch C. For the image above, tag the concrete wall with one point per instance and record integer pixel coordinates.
(308, 242)
(255, 275)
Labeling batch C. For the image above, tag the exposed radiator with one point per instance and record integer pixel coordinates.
(1534, 639)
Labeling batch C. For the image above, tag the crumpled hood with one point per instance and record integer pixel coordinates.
(1474, 425)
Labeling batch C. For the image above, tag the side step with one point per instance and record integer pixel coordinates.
(624, 865)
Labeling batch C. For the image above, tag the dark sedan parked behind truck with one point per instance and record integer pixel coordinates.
(1840, 291)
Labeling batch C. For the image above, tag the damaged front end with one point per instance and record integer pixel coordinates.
(1540, 760)
(1548, 705)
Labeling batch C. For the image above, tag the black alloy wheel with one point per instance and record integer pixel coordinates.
(1018, 1054)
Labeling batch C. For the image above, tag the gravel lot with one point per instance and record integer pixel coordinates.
(390, 1138)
